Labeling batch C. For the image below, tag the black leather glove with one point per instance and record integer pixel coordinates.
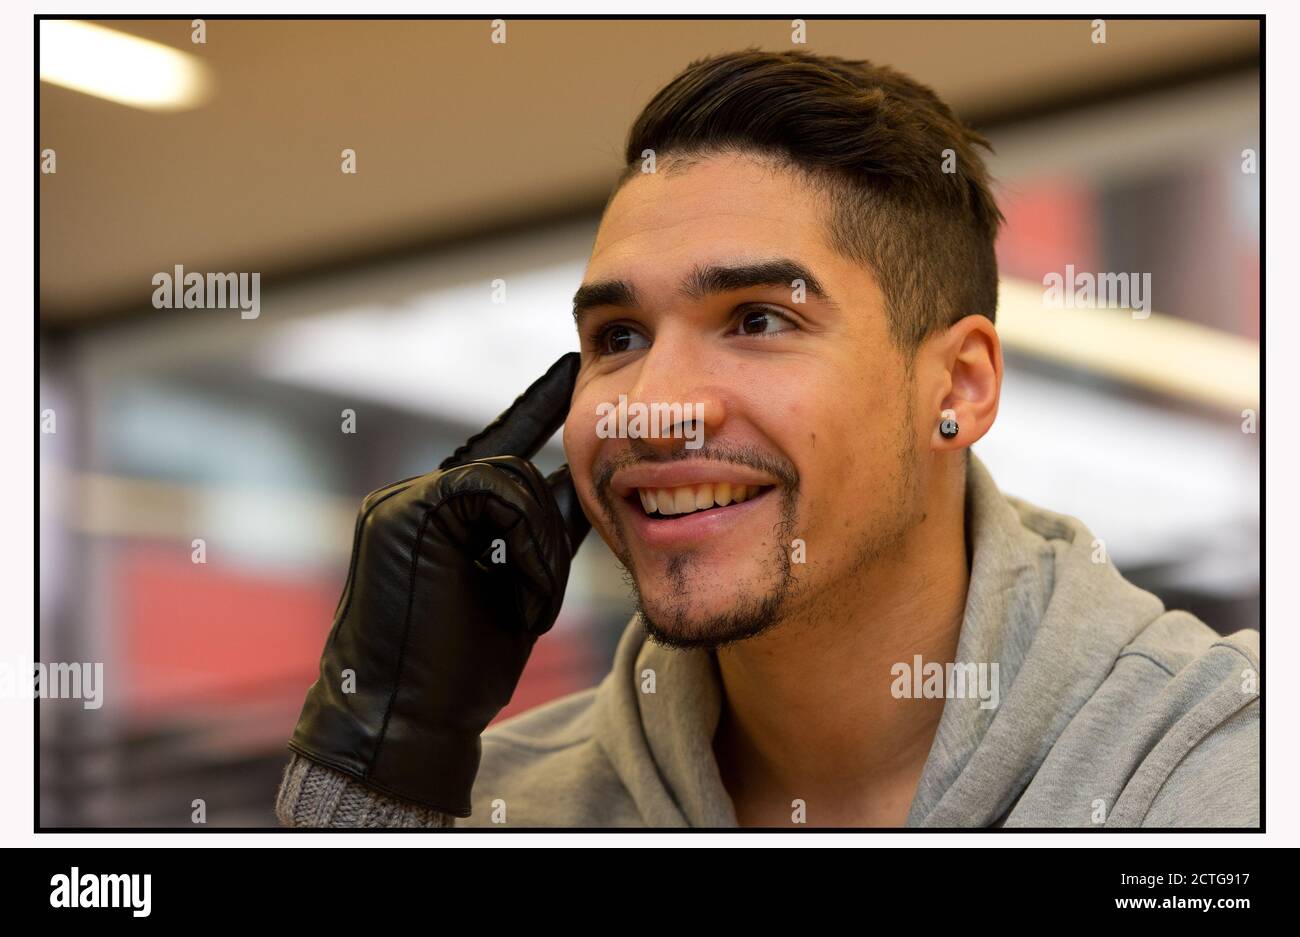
(434, 630)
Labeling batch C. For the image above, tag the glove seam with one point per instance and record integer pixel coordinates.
(406, 638)
(356, 553)
(430, 517)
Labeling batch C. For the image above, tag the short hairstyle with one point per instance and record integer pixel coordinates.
(908, 193)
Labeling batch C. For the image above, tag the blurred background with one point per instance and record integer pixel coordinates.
(480, 162)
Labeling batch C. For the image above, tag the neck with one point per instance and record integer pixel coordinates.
(808, 713)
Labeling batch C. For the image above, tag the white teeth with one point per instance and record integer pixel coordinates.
(689, 498)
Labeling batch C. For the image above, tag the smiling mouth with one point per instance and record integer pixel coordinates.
(673, 503)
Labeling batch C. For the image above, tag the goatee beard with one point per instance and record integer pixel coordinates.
(674, 626)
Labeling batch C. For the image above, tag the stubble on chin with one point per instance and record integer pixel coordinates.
(675, 620)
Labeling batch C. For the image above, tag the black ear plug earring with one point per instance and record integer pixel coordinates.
(948, 426)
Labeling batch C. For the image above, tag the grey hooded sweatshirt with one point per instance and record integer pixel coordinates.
(1111, 712)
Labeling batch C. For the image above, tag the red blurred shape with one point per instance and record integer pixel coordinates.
(1050, 223)
(202, 637)
(198, 634)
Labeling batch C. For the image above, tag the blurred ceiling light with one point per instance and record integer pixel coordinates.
(119, 67)
(449, 351)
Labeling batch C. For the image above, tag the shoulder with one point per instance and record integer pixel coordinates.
(1179, 718)
(1187, 649)
(1169, 738)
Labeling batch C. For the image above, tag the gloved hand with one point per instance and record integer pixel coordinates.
(435, 631)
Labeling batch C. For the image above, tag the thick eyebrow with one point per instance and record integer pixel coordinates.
(603, 293)
(718, 278)
(704, 281)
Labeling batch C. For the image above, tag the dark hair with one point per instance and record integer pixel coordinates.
(873, 141)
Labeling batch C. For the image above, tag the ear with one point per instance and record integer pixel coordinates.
(970, 380)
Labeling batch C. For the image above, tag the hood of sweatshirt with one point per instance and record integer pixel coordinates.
(1038, 605)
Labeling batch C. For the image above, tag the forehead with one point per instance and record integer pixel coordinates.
(729, 206)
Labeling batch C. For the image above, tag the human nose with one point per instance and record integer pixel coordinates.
(676, 379)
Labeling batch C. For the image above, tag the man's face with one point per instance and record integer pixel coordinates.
(807, 405)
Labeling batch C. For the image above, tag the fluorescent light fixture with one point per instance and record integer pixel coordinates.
(448, 352)
(119, 67)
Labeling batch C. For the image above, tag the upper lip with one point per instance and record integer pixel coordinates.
(679, 474)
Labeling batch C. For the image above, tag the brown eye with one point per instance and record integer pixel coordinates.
(763, 322)
(619, 338)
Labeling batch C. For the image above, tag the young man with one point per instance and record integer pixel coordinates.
(841, 621)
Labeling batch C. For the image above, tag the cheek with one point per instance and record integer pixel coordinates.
(832, 457)
(582, 448)
(577, 443)
(578, 455)
(843, 440)
(580, 442)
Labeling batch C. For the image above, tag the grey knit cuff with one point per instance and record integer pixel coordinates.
(315, 795)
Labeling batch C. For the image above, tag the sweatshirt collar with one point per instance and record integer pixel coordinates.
(658, 710)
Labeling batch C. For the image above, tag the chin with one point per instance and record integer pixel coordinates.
(682, 620)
